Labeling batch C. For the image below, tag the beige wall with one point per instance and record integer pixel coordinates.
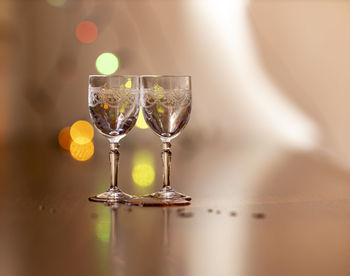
(304, 46)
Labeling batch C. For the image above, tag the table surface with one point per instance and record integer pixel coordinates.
(257, 209)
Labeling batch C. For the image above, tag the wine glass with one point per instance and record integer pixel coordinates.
(166, 106)
(114, 107)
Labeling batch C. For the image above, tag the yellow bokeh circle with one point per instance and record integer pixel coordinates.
(82, 132)
(143, 174)
(82, 152)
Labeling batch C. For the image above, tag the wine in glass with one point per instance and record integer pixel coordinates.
(114, 107)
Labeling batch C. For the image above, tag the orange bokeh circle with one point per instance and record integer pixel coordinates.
(86, 32)
(64, 138)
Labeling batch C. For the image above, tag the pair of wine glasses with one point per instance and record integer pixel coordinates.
(114, 105)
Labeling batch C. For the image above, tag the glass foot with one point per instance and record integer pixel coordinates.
(165, 197)
(168, 193)
(111, 196)
(148, 201)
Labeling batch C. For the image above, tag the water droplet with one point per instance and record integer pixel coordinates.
(259, 215)
(41, 207)
(52, 210)
(210, 210)
(180, 210)
(233, 214)
(128, 209)
(218, 212)
(185, 214)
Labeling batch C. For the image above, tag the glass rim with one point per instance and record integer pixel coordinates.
(166, 76)
(141, 76)
(122, 76)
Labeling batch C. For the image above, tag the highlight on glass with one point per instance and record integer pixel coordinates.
(114, 107)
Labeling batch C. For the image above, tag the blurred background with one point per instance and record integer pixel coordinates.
(268, 133)
(271, 73)
(275, 70)
(269, 77)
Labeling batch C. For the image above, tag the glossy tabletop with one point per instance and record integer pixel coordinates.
(256, 210)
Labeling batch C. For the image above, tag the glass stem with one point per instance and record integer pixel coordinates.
(166, 157)
(114, 162)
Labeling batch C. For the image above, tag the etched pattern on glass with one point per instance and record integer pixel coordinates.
(113, 97)
(166, 111)
(113, 110)
(166, 98)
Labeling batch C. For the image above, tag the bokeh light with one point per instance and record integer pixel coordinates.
(86, 32)
(103, 231)
(107, 63)
(78, 140)
(143, 172)
(82, 152)
(141, 123)
(64, 139)
(56, 3)
(157, 87)
(128, 84)
(103, 225)
(82, 132)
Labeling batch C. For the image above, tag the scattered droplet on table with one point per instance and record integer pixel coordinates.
(210, 210)
(218, 212)
(41, 207)
(259, 215)
(185, 214)
(52, 210)
(180, 210)
(233, 214)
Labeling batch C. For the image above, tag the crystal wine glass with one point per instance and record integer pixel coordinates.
(166, 106)
(114, 107)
